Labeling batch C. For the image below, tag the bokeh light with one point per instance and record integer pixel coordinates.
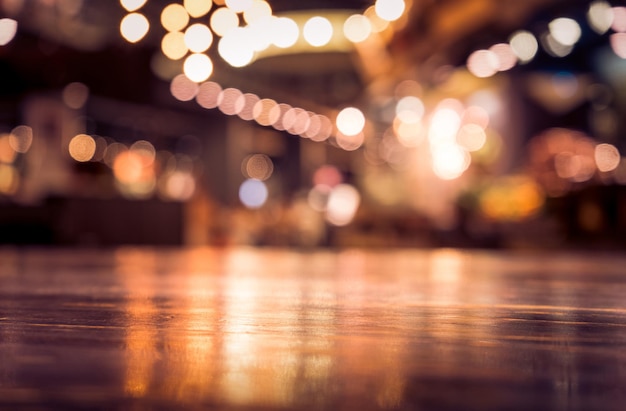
(174, 17)
(173, 45)
(223, 20)
(343, 203)
(9, 179)
(350, 143)
(410, 109)
(265, 112)
(132, 5)
(378, 24)
(607, 157)
(8, 29)
(600, 16)
(506, 57)
(82, 147)
(350, 121)
(317, 31)
(619, 19)
(21, 139)
(183, 89)
(197, 8)
(75, 95)
(524, 44)
(7, 153)
(618, 44)
(231, 102)
(253, 193)
(239, 6)
(247, 110)
(145, 151)
(565, 30)
(134, 27)
(389, 10)
(198, 67)
(286, 32)
(258, 10)
(198, 38)
(235, 47)
(449, 161)
(483, 63)
(257, 166)
(357, 28)
(471, 137)
(209, 95)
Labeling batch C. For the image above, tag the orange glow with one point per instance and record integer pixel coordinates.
(409, 134)
(197, 8)
(173, 45)
(82, 147)
(112, 151)
(178, 186)
(378, 24)
(128, 167)
(174, 17)
(7, 153)
(512, 198)
(145, 151)
(209, 95)
(472, 137)
(183, 89)
(9, 179)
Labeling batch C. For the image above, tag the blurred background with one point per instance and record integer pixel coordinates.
(404, 123)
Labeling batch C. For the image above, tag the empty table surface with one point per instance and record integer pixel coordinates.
(270, 329)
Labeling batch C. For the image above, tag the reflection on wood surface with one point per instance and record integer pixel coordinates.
(277, 329)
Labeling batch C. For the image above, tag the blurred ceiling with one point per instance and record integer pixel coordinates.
(80, 41)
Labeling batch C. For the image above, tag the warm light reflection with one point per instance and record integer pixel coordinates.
(223, 20)
(389, 10)
(132, 5)
(444, 125)
(21, 138)
(198, 38)
(350, 143)
(524, 45)
(317, 31)
(8, 29)
(409, 134)
(512, 198)
(75, 95)
(82, 147)
(183, 89)
(198, 67)
(197, 8)
(378, 24)
(174, 17)
(134, 27)
(253, 193)
(600, 16)
(145, 151)
(410, 109)
(178, 186)
(554, 47)
(173, 45)
(357, 28)
(112, 151)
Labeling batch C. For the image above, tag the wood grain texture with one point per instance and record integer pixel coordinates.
(249, 329)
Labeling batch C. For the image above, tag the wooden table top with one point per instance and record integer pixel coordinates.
(250, 329)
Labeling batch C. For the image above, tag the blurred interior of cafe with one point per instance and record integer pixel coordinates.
(313, 123)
